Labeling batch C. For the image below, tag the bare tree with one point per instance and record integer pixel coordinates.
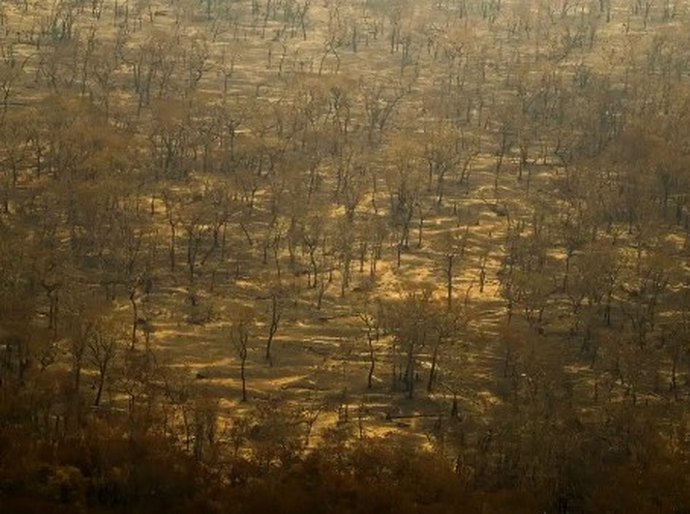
(279, 297)
(240, 334)
(103, 347)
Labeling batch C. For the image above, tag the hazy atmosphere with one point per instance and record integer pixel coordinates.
(345, 256)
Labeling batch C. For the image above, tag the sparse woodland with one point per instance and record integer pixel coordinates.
(384, 256)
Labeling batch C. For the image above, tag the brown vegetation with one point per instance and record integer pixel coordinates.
(345, 255)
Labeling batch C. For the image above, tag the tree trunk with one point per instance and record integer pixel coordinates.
(273, 327)
(449, 281)
(432, 371)
(99, 391)
(243, 361)
(135, 316)
(409, 372)
(172, 247)
(372, 362)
